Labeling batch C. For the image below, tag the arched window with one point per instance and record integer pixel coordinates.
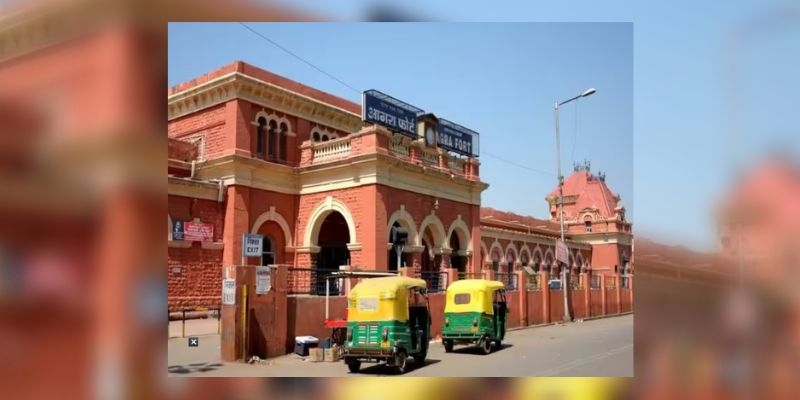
(282, 139)
(268, 255)
(262, 123)
(496, 262)
(273, 141)
(588, 224)
(324, 138)
(316, 136)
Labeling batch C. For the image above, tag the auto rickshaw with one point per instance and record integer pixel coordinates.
(387, 321)
(475, 313)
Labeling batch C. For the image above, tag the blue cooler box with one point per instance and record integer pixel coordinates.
(303, 343)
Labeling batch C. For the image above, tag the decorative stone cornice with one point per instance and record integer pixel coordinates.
(354, 246)
(307, 250)
(442, 251)
(237, 85)
(194, 189)
(413, 249)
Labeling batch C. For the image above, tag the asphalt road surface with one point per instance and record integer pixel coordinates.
(601, 347)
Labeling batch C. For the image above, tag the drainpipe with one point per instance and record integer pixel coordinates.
(221, 192)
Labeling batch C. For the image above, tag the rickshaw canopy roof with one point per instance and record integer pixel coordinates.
(384, 299)
(475, 285)
(385, 284)
(475, 295)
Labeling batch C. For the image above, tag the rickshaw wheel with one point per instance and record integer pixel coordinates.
(354, 366)
(486, 345)
(401, 362)
(448, 346)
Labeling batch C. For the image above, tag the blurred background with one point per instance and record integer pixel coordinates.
(82, 161)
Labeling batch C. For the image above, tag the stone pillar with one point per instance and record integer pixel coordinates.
(452, 276)
(488, 274)
(237, 222)
(587, 295)
(545, 276)
(475, 239)
(522, 277)
(630, 289)
(618, 293)
(603, 300)
(416, 260)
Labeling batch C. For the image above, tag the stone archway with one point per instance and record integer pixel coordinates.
(460, 242)
(318, 216)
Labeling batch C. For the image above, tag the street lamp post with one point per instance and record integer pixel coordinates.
(564, 269)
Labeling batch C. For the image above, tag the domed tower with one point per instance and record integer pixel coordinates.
(593, 214)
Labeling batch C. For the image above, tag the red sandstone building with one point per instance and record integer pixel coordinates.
(253, 152)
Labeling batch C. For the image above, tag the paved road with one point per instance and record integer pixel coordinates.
(602, 347)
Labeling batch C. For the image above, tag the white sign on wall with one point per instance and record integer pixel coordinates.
(263, 283)
(229, 292)
(562, 253)
(251, 245)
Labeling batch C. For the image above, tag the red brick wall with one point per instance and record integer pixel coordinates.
(625, 299)
(307, 317)
(436, 303)
(512, 299)
(556, 305)
(596, 302)
(208, 123)
(209, 211)
(577, 304)
(535, 304)
(199, 282)
(612, 307)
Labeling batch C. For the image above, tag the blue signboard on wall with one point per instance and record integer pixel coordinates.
(387, 111)
(456, 138)
(177, 230)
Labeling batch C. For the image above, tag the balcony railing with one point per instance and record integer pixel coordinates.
(334, 149)
(437, 280)
(372, 140)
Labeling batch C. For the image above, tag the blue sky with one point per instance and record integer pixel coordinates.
(498, 79)
(684, 119)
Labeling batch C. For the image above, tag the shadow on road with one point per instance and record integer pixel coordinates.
(382, 369)
(194, 367)
(476, 350)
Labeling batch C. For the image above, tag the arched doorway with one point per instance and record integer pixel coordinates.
(430, 262)
(334, 236)
(456, 261)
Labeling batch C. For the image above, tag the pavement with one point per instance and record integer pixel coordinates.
(600, 347)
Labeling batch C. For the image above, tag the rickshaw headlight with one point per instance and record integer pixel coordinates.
(349, 334)
(474, 322)
(385, 335)
(447, 322)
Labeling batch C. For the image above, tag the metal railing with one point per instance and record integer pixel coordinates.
(312, 281)
(594, 282)
(574, 281)
(611, 282)
(437, 280)
(534, 282)
(508, 278)
(469, 275)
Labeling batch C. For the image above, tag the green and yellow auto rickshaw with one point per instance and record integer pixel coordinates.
(475, 313)
(387, 321)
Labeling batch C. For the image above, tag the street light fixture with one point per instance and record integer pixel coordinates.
(564, 270)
